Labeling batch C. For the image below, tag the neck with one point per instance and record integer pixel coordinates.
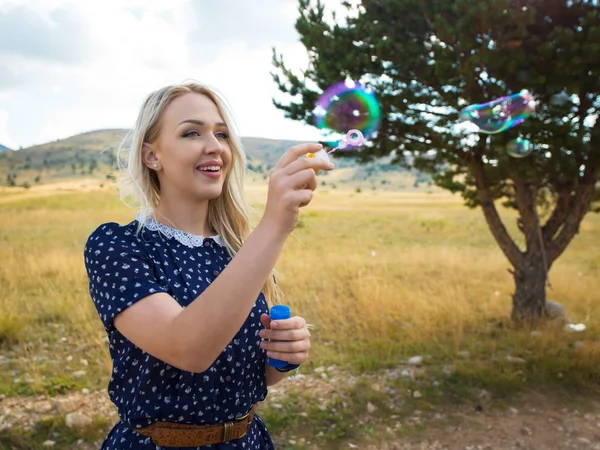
(188, 216)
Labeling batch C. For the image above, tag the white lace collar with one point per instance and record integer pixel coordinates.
(187, 239)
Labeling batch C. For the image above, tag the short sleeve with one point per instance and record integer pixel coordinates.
(119, 271)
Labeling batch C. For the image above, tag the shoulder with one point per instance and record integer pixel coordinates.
(113, 234)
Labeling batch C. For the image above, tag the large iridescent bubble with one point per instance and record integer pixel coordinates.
(345, 106)
(501, 114)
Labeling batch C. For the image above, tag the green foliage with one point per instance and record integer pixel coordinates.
(55, 430)
(426, 60)
(10, 179)
(11, 326)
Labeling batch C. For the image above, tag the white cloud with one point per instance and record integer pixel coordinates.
(107, 56)
(5, 139)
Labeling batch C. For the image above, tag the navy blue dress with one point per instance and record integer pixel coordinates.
(123, 268)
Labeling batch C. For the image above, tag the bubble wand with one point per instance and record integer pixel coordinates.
(353, 138)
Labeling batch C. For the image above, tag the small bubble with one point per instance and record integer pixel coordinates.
(518, 148)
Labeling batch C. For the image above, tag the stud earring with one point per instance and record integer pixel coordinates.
(155, 166)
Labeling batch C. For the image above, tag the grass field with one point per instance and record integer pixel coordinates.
(382, 276)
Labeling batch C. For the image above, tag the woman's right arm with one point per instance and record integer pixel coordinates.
(192, 338)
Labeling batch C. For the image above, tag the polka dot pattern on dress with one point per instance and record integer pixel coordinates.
(123, 268)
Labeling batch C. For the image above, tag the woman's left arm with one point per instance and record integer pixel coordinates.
(286, 340)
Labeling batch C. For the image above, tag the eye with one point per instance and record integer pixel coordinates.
(192, 133)
(222, 135)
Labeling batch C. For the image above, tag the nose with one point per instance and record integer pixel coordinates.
(214, 146)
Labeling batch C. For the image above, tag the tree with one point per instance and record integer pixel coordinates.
(93, 165)
(427, 59)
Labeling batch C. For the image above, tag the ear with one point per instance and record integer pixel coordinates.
(149, 156)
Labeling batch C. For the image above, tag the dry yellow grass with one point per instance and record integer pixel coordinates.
(381, 275)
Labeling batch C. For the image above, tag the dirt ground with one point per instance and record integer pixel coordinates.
(534, 421)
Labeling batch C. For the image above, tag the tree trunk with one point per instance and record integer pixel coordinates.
(529, 299)
(543, 244)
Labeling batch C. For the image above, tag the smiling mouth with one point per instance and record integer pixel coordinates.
(209, 169)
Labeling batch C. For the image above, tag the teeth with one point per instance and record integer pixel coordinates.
(210, 168)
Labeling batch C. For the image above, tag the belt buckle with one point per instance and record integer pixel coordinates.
(227, 431)
(228, 426)
(245, 416)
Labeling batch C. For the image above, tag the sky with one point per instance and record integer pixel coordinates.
(71, 66)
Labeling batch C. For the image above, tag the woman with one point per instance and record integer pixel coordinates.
(183, 290)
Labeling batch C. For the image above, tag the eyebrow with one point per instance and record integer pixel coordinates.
(201, 123)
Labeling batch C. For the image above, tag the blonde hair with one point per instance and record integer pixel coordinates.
(229, 213)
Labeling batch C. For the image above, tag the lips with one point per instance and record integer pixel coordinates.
(210, 166)
(211, 169)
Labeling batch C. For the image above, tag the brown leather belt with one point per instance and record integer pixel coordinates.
(170, 434)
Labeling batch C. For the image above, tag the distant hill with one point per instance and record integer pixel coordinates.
(94, 154)
(266, 151)
(83, 154)
(95, 151)
(3, 148)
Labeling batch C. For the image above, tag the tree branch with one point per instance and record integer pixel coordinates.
(525, 196)
(492, 217)
(559, 215)
(579, 208)
(445, 116)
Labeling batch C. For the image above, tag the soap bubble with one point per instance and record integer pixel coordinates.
(519, 148)
(501, 114)
(345, 106)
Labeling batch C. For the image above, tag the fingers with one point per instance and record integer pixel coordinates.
(296, 152)
(289, 342)
(293, 323)
(298, 198)
(265, 321)
(307, 163)
(291, 358)
(285, 335)
(305, 197)
(306, 179)
(286, 346)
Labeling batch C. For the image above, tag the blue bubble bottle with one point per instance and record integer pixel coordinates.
(279, 312)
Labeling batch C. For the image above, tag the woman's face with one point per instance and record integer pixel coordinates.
(192, 150)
